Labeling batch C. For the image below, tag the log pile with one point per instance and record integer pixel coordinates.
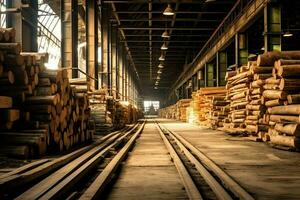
(238, 83)
(255, 110)
(181, 109)
(168, 112)
(282, 98)
(217, 111)
(40, 109)
(100, 111)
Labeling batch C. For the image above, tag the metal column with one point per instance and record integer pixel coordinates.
(241, 49)
(272, 27)
(113, 76)
(104, 45)
(25, 23)
(92, 41)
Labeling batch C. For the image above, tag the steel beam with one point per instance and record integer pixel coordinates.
(92, 41)
(69, 31)
(163, 28)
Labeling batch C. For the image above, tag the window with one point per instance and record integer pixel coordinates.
(149, 105)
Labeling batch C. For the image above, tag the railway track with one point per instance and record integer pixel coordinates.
(201, 177)
(74, 175)
(85, 173)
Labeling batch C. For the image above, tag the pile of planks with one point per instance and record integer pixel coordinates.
(168, 112)
(40, 109)
(255, 110)
(206, 107)
(100, 111)
(282, 97)
(238, 82)
(218, 110)
(181, 109)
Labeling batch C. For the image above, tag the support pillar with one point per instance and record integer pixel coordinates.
(92, 42)
(114, 59)
(69, 33)
(241, 49)
(25, 23)
(222, 60)
(105, 45)
(272, 27)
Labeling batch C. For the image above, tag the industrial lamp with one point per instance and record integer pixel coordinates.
(161, 58)
(165, 34)
(160, 66)
(168, 11)
(164, 47)
(288, 34)
(159, 71)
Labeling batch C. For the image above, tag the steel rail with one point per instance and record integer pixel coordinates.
(102, 180)
(187, 180)
(228, 182)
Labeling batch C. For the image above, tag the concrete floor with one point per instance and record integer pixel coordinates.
(148, 172)
(265, 172)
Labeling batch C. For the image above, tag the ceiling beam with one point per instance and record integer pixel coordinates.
(161, 41)
(161, 12)
(167, 1)
(163, 28)
(169, 20)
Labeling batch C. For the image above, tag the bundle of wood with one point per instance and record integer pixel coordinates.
(238, 83)
(193, 111)
(39, 108)
(168, 112)
(181, 110)
(255, 110)
(217, 111)
(100, 112)
(282, 97)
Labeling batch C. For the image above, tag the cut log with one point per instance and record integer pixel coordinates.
(285, 110)
(288, 129)
(274, 94)
(13, 48)
(269, 58)
(5, 102)
(285, 140)
(288, 70)
(293, 99)
(289, 84)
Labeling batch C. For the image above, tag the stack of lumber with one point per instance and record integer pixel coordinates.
(282, 97)
(181, 110)
(193, 111)
(218, 110)
(168, 112)
(207, 107)
(238, 83)
(40, 110)
(100, 112)
(255, 110)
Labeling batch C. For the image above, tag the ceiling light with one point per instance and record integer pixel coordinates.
(208, 1)
(158, 77)
(287, 34)
(155, 88)
(161, 58)
(160, 66)
(165, 34)
(168, 11)
(164, 47)
(159, 71)
(156, 83)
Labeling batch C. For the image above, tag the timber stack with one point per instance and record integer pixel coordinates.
(238, 83)
(181, 109)
(40, 110)
(283, 98)
(217, 110)
(255, 110)
(100, 111)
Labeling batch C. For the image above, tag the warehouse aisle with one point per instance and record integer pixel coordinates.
(265, 172)
(148, 172)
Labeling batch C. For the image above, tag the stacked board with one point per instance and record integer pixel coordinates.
(40, 109)
(282, 98)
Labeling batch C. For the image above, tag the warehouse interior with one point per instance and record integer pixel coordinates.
(149, 99)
